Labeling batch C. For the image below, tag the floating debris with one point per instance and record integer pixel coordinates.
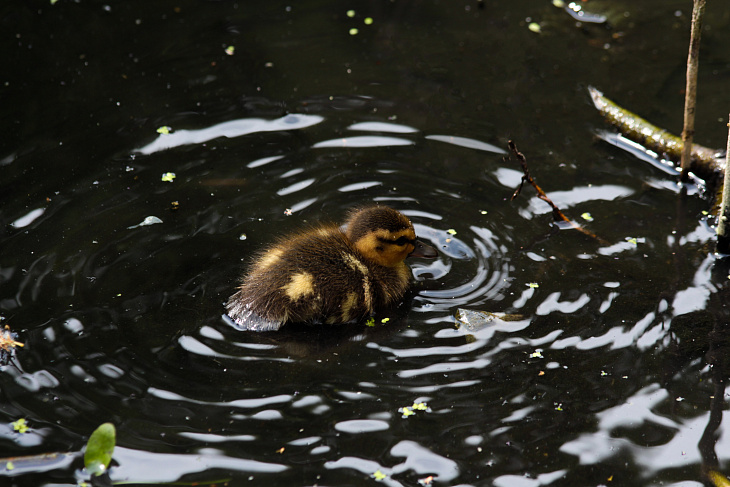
(473, 321)
(635, 240)
(7, 345)
(165, 130)
(411, 410)
(576, 11)
(168, 177)
(150, 220)
(378, 475)
(21, 426)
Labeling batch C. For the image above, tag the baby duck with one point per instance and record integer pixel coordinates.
(329, 275)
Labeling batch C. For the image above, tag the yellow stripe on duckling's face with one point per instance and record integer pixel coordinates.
(301, 285)
(387, 248)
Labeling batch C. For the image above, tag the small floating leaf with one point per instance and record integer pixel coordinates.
(9, 466)
(370, 321)
(532, 285)
(350, 13)
(353, 31)
(368, 20)
(230, 50)
(20, 426)
(168, 177)
(534, 27)
(587, 217)
(451, 231)
(378, 475)
(385, 320)
(406, 411)
(164, 130)
(99, 449)
(411, 410)
(536, 354)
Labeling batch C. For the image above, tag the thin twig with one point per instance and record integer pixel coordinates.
(557, 214)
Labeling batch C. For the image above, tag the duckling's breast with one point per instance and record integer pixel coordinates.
(317, 276)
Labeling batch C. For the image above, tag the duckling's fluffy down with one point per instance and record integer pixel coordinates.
(316, 276)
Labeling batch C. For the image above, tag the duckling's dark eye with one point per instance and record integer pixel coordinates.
(402, 241)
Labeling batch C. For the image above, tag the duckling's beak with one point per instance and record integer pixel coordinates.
(423, 250)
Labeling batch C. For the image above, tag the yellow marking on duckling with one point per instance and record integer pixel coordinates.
(348, 304)
(379, 246)
(300, 285)
(324, 232)
(356, 265)
(269, 259)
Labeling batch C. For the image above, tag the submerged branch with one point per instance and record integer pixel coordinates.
(557, 214)
(705, 163)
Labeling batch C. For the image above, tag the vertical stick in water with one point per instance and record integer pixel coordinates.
(698, 11)
(723, 226)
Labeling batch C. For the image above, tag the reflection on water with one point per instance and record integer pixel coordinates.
(182, 384)
(114, 278)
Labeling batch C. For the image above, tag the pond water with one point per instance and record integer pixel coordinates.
(286, 114)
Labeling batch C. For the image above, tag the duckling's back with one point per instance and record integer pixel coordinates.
(315, 276)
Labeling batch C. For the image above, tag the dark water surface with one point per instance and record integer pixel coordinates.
(605, 379)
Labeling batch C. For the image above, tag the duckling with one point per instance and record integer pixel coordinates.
(327, 275)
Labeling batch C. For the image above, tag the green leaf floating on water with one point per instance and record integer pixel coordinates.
(99, 449)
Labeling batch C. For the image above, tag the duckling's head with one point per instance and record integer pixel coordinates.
(385, 236)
